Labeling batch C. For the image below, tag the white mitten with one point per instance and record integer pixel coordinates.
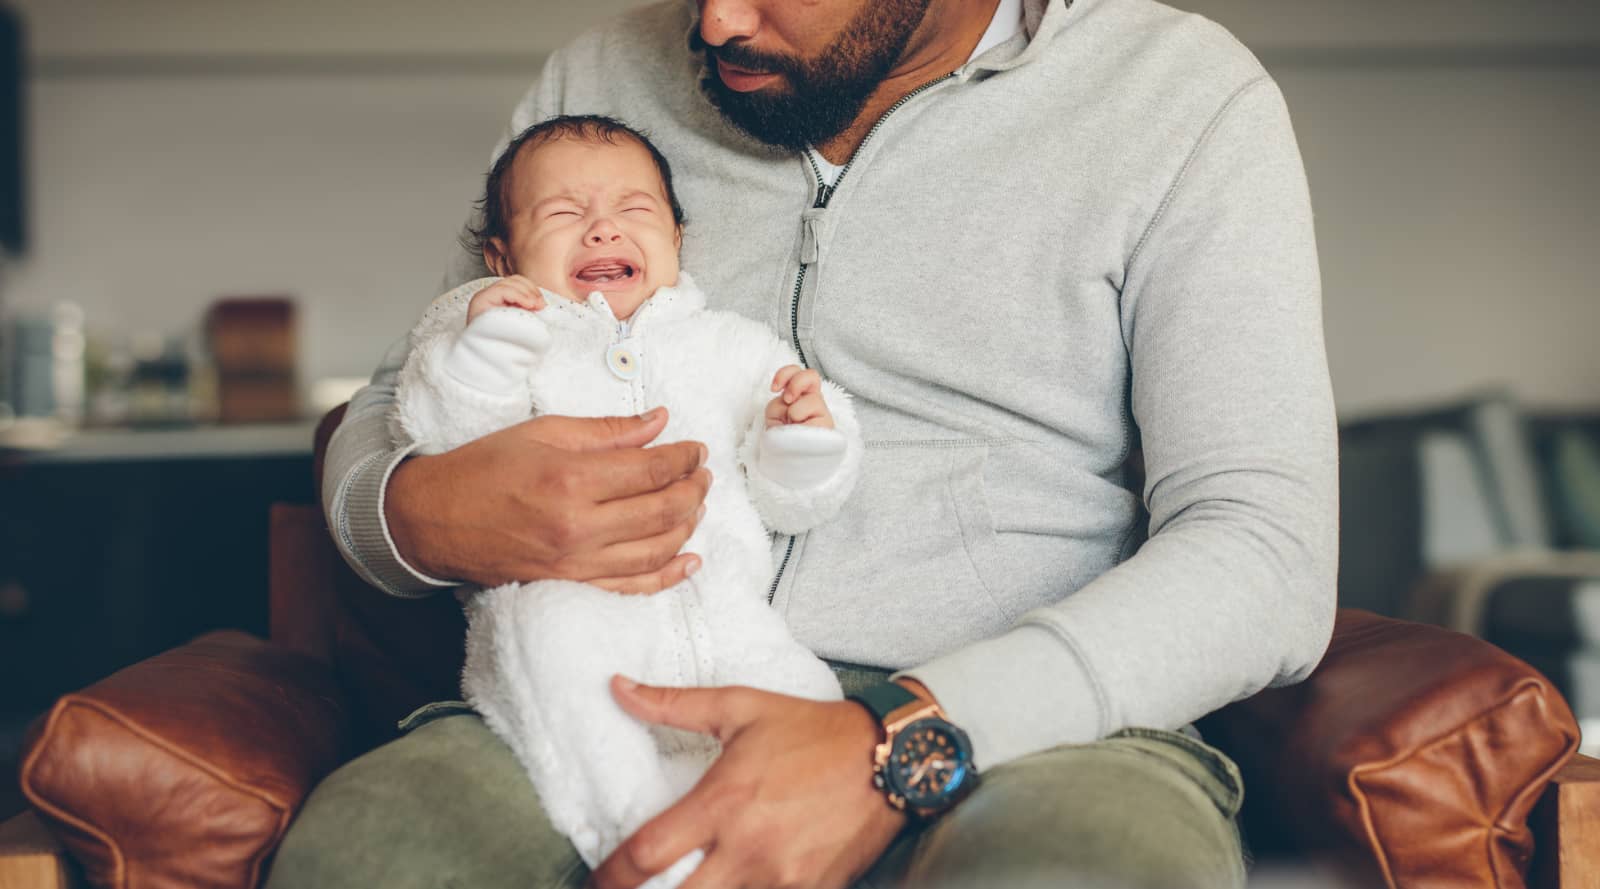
(498, 349)
(801, 457)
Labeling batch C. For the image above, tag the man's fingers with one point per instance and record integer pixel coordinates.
(656, 846)
(673, 573)
(645, 516)
(718, 712)
(618, 475)
(629, 555)
(716, 872)
(598, 433)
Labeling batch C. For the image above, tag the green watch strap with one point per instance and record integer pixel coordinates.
(884, 698)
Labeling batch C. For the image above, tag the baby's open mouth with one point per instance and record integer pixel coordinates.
(606, 271)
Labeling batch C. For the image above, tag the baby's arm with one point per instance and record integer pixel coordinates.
(467, 375)
(802, 449)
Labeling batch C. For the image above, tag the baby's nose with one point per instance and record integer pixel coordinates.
(603, 232)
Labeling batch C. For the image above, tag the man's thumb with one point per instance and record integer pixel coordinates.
(602, 433)
(706, 711)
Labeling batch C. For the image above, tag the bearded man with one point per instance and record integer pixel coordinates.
(1032, 237)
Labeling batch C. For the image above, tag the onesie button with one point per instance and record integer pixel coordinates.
(623, 362)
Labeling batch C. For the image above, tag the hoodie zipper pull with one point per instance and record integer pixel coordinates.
(810, 250)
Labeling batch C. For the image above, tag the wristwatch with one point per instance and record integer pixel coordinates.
(924, 763)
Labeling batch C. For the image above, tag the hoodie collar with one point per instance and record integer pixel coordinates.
(1042, 20)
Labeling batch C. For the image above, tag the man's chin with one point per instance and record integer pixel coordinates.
(775, 115)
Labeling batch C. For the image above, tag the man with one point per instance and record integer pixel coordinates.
(1029, 236)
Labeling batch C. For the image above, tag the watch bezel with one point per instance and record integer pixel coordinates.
(953, 792)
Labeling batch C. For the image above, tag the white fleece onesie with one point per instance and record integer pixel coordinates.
(540, 655)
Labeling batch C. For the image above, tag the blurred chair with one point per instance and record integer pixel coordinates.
(1478, 518)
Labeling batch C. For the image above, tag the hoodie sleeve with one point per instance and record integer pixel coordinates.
(1235, 588)
(799, 476)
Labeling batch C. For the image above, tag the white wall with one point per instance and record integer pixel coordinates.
(156, 195)
(76, 29)
(1457, 219)
(186, 149)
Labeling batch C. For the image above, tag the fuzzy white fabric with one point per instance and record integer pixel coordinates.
(540, 655)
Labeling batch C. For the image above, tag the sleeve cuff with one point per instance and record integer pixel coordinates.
(365, 529)
(1016, 694)
(800, 457)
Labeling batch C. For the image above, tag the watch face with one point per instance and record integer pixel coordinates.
(929, 762)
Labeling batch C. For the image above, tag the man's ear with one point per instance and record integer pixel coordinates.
(494, 256)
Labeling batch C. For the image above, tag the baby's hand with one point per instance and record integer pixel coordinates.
(799, 400)
(511, 291)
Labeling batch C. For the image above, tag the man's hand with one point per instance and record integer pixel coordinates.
(799, 399)
(790, 802)
(513, 290)
(554, 497)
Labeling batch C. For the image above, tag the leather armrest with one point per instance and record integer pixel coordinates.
(1412, 756)
(185, 769)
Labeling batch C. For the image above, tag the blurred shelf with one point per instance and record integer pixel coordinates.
(44, 443)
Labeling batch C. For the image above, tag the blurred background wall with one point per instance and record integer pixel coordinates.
(182, 150)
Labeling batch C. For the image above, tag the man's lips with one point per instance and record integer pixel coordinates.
(743, 80)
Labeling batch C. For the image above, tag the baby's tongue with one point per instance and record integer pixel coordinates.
(602, 272)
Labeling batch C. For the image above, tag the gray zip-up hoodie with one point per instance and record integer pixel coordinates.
(1096, 231)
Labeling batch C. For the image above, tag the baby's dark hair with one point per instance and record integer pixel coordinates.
(494, 207)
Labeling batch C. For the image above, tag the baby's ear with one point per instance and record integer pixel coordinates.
(677, 236)
(494, 256)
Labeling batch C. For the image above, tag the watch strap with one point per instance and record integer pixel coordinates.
(884, 698)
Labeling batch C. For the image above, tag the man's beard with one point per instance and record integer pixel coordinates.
(820, 97)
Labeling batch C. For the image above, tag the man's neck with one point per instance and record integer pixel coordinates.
(949, 32)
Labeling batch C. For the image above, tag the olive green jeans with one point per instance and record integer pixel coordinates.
(447, 806)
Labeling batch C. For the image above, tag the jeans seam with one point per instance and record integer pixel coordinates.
(1201, 751)
(1229, 782)
(430, 712)
(1245, 859)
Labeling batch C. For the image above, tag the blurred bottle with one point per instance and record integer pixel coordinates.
(67, 375)
(158, 383)
(108, 371)
(47, 365)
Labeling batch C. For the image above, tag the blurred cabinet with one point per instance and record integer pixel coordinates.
(104, 562)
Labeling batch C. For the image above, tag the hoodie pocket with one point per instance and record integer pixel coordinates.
(904, 572)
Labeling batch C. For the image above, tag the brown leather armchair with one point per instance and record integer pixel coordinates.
(1413, 756)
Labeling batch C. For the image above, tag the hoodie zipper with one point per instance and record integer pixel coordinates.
(825, 193)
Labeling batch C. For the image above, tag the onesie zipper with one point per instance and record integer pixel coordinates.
(810, 254)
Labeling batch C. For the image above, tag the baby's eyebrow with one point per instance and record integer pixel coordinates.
(638, 193)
